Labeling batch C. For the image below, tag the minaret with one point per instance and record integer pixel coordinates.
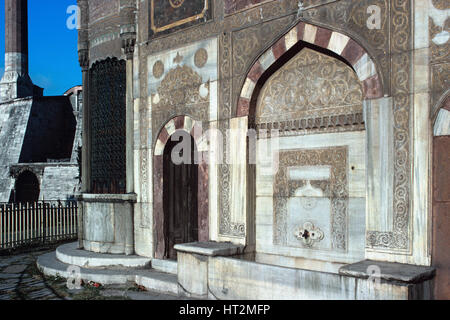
(16, 82)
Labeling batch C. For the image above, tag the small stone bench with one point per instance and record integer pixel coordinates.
(193, 264)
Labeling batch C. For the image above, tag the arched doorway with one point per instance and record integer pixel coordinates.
(180, 174)
(441, 202)
(27, 188)
(162, 186)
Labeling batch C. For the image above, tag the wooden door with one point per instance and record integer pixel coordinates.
(441, 216)
(180, 201)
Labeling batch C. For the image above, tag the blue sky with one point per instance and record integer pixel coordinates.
(53, 57)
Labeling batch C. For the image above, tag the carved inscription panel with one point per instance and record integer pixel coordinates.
(171, 15)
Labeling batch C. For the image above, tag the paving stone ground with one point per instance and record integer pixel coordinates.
(20, 279)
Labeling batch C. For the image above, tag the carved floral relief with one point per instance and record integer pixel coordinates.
(310, 85)
(333, 196)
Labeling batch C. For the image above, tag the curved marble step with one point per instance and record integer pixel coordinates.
(70, 254)
(150, 279)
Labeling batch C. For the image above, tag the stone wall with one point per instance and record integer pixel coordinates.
(76, 100)
(50, 131)
(14, 117)
(60, 182)
(36, 130)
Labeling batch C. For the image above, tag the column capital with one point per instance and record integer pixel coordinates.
(83, 58)
(128, 44)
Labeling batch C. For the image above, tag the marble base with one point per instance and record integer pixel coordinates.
(250, 280)
(108, 223)
(193, 265)
(218, 271)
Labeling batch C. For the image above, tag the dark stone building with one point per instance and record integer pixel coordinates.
(37, 132)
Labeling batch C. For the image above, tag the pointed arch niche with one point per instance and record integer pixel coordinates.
(385, 228)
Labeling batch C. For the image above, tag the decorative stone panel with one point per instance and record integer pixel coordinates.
(310, 85)
(333, 186)
(172, 15)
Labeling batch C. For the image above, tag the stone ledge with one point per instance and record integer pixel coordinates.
(392, 272)
(211, 249)
(108, 198)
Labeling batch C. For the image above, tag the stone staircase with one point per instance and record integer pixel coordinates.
(106, 269)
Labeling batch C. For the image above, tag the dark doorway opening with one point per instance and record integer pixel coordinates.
(27, 188)
(180, 196)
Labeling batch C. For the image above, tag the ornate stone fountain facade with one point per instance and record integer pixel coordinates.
(346, 93)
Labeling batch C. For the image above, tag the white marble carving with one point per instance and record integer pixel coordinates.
(309, 234)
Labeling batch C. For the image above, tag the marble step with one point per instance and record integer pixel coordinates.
(70, 254)
(167, 266)
(148, 278)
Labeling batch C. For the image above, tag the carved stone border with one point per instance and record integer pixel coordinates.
(399, 239)
(333, 123)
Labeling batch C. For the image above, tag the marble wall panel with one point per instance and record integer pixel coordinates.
(183, 81)
(99, 222)
(315, 196)
(442, 125)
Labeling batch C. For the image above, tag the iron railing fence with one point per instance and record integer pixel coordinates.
(36, 223)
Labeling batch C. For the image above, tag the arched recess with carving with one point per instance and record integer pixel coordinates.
(356, 63)
(440, 259)
(342, 45)
(194, 129)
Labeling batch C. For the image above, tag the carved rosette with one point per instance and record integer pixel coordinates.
(309, 234)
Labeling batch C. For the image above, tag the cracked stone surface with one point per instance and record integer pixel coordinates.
(21, 280)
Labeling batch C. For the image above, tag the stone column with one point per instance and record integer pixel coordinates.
(130, 127)
(128, 36)
(16, 82)
(83, 56)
